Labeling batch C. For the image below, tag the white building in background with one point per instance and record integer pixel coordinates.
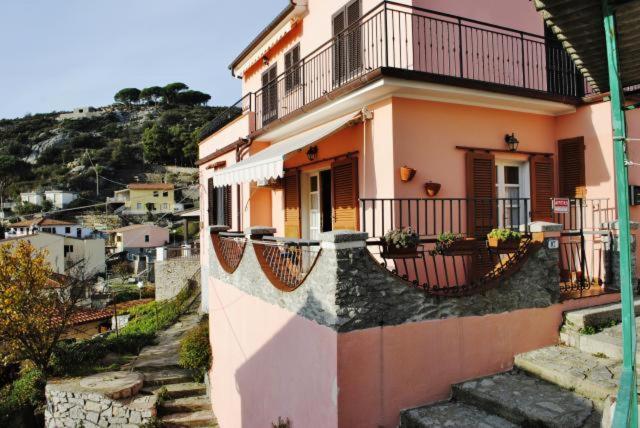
(35, 198)
(49, 225)
(60, 198)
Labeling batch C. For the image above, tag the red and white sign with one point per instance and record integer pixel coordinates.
(561, 205)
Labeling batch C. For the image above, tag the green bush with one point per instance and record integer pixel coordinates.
(195, 350)
(25, 393)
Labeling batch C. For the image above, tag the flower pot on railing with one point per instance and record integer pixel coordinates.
(504, 240)
(394, 251)
(407, 173)
(432, 188)
(400, 243)
(508, 245)
(451, 244)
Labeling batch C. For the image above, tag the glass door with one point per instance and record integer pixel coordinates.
(510, 177)
(314, 206)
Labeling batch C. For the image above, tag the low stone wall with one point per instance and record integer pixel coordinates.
(105, 400)
(171, 275)
(347, 290)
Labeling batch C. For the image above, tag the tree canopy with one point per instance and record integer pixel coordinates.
(127, 96)
(152, 94)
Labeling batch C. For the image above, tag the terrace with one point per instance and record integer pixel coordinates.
(419, 44)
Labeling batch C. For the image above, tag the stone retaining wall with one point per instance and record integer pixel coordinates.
(171, 275)
(70, 403)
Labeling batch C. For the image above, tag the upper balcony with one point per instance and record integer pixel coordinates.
(410, 42)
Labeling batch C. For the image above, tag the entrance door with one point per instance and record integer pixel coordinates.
(511, 189)
(314, 206)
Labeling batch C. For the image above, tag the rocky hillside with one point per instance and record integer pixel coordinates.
(123, 142)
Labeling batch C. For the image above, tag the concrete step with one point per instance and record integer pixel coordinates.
(592, 377)
(203, 418)
(525, 400)
(185, 405)
(451, 414)
(166, 377)
(607, 342)
(596, 316)
(178, 390)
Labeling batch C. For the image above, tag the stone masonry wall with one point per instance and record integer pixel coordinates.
(171, 276)
(347, 290)
(69, 406)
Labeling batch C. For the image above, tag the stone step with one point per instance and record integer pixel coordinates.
(184, 405)
(596, 316)
(451, 414)
(588, 375)
(202, 418)
(607, 342)
(178, 390)
(166, 377)
(525, 400)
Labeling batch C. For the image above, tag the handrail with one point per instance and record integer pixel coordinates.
(235, 110)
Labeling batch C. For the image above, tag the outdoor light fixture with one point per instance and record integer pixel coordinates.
(312, 153)
(265, 60)
(512, 142)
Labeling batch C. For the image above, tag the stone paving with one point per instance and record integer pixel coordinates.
(451, 415)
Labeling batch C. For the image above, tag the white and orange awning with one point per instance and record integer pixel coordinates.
(269, 163)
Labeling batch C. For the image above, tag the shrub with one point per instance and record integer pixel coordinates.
(195, 350)
(504, 234)
(25, 393)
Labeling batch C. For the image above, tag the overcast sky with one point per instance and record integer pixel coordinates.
(61, 54)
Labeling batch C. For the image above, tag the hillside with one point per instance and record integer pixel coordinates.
(125, 141)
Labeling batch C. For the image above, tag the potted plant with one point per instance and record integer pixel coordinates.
(407, 173)
(400, 242)
(449, 243)
(504, 239)
(432, 188)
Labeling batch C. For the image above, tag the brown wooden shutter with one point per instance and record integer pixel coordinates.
(227, 206)
(344, 178)
(355, 36)
(339, 48)
(541, 168)
(481, 193)
(571, 168)
(212, 202)
(291, 184)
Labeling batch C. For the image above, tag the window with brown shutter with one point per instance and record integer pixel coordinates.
(270, 94)
(571, 168)
(347, 50)
(291, 185)
(344, 178)
(219, 204)
(292, 68)
(481, 193)
(542, 190)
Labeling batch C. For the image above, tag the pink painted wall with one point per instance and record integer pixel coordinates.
(269, 363)
(158, 236)
(382, 371)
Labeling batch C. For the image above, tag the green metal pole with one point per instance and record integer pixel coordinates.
(626, 413)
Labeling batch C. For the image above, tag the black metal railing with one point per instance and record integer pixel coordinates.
(430, 217)
(238, 108)
(398, 36)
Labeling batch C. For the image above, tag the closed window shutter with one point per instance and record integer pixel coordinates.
(481, 194)
(541, 188)
(339, 48)
(288, 62)
(344, 177)
(212, 202)
(355, 36)
(571, 173)
(227, 206)
(291, 184)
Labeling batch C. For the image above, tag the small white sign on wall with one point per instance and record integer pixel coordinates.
(553, 244)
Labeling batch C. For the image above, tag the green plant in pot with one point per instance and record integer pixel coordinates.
(504, 239)
(450, 243)
(400, 241)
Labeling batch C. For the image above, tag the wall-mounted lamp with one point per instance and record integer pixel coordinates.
(312, 153)
(512, 142)
(265, 60)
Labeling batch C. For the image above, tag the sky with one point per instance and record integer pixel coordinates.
(59, 54)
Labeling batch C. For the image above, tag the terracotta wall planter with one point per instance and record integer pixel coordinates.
(432, 188)
(407, 173)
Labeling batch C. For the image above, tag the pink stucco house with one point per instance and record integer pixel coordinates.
(367, 116)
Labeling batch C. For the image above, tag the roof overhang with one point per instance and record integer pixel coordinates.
(268, 164)
(272, 34)
(578, 24)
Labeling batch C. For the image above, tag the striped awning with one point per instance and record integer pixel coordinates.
(269, 163)
(578, 24)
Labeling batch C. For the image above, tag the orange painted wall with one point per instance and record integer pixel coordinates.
(382, 371)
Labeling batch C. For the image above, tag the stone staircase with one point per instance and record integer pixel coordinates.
(559, 386)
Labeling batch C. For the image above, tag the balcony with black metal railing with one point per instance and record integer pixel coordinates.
(416, 43)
